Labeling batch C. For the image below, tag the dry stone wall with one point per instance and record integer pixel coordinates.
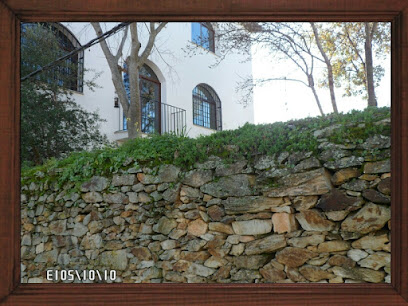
(288, 218)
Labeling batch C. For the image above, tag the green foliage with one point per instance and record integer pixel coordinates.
(345, 44)
(52, 124)
(250, 141)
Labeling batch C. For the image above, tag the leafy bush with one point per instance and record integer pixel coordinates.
(248, 141)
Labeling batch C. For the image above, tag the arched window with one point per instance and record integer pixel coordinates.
(72, 69)
(202, 33)
(206, 107)
(150, 95)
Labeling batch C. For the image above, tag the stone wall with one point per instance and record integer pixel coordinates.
(289, 218)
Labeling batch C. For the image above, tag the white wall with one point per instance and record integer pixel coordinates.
(177, 82)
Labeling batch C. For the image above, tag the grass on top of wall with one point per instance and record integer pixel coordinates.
(247, 141)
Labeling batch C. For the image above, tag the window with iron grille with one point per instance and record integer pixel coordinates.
(71, 71)
(206, 107)
(202, 33)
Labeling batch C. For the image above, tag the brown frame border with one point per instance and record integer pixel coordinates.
(14, 11)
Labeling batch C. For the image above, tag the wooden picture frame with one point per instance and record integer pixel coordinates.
(12, 292)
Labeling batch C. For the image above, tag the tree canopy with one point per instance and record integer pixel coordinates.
(52, 124)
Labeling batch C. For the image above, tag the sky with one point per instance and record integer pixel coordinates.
(286, 100)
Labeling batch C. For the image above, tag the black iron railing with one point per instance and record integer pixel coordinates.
(158, 117)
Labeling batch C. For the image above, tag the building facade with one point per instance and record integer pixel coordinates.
(182, 91)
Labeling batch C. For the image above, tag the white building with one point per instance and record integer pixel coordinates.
(185, 93)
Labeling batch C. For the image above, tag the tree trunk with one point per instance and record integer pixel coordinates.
(312, 87)
(134, 124)
(329, 68)
(368, 48)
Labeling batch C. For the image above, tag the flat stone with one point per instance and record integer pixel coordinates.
(318, 261)
(172, 193)
(49, 257)
(250, 204)
(227, 186)
(169, 244)
(377, 142)
(265, 245)
(215, 262)
(96, 183)
(265, 162)
(341, 261)
(197, 178)
(167, 174)
(333, 246)
(301, 203)
(26, 239)
(177, 234)
(344, 175)
(315, 274)
(237, 249)
(284, 223)
(307, 164)
(337, 215)
(230, 169)
(200, 256)
(123, 180)
(92, 242)
(79, 230)
(197, 227)
(92, 197)
(215, 213)
(356, 255)
(370, 218)
(175, 277)
(272, 274)
(338, 200)
(312, 220)
(294, 275)
(375, 243)
(368, 177)
(150, 273)
(58, 227)
(315, 182)
(252, 227)
(303, 242)
(253, 262)
(355, 185)
(283, 209)
(190, 192)
(385, 186)
(260, 215)
(164, 226)
(361, 274)
(115, 198)
(376, 197)
(143, 198)
(376, 261)
(294, 257)
(200, 270)
(378, 167)
(345, 162)
(296, 157)
(116, 260)
(220, 227)
(333, 154)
